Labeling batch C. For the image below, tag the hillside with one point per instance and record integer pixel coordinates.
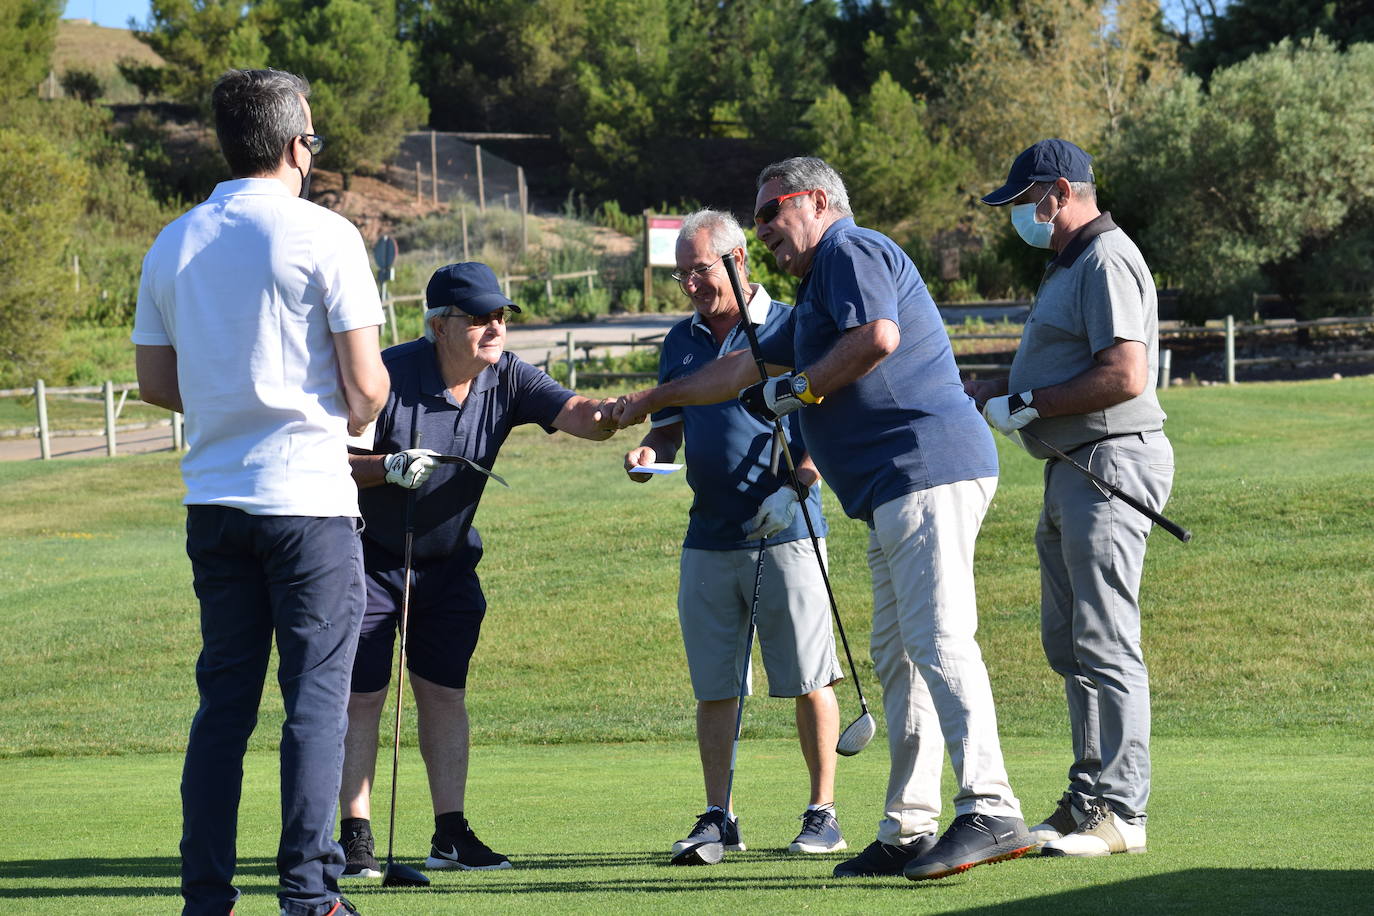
(84, 45)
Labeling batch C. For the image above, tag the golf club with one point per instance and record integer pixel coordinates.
(858, 733)
(713, 853)
(395, 874)
(1178, 531)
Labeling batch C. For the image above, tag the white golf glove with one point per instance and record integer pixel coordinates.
(1010, 412)
(775, 513)
(410, 468)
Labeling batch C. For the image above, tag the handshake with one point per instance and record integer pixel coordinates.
(769, 400)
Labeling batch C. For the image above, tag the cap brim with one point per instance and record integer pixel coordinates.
(485, 303)
(1006, 194)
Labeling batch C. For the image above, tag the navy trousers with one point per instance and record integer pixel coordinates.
(299, 581)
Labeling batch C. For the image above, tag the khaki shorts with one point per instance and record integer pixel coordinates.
(715, 589)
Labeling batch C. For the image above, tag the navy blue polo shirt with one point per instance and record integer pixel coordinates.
(905, 426)
(502, 397)
(726, 448)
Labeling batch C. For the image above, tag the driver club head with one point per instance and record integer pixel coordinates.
(856, 737)
(700, 854)
(397, 875)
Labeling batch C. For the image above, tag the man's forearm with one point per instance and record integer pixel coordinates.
(853, 356)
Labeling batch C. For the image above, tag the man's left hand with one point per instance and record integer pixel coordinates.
(1010, 412)
(775, 513)
(772, 399)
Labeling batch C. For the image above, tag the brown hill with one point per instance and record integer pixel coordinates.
(83, 45)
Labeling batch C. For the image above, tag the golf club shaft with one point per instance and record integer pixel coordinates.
(401, 655)
(738, 289)
(743, 686)
(1178, 531)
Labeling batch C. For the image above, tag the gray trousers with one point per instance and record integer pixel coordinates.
(1092, 551)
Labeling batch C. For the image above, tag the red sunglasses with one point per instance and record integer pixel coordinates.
(769, 211)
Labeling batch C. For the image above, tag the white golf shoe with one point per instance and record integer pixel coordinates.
(1102, 834)
(1062, 822)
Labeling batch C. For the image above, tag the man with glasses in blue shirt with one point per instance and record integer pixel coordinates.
(739, 498)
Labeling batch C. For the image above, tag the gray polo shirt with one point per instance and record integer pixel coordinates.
(1096, 291)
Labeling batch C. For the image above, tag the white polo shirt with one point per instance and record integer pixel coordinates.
(248, 288)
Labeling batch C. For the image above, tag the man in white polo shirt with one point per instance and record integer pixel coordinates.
(258, 318)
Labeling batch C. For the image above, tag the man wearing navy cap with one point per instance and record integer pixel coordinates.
(1081, 381)
(459, 388)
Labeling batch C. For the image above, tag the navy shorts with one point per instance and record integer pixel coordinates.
(446, 611)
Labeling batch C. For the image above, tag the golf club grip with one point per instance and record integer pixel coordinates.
(738, 289)
(1178, 531)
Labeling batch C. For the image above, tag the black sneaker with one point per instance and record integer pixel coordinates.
(360, 855)
(972, 839)
(879, 858)
(463, 851)
(712, 829)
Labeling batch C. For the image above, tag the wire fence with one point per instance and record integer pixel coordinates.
(441, 166)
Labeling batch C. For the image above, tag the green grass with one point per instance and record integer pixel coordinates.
(1257, 634)
(101, 835)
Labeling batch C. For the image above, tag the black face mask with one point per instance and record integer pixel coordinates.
(305, 179)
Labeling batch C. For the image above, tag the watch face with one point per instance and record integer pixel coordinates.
(799, 385)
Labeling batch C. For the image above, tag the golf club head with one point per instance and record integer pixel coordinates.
(700, 854)
(856, 737)
(397, 875)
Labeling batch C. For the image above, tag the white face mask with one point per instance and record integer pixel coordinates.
(1032, 231)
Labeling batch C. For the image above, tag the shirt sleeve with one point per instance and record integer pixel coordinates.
(350, 291)
(776, 342)
(857, 285)
(149, 327)
(538, 397)
(1113, 306)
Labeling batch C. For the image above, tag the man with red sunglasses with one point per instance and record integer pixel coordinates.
(891, 430)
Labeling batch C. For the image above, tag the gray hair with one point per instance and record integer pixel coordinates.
(725, 230)
(257, 112)
(1084, 189)
(802, 173)
(440, 312)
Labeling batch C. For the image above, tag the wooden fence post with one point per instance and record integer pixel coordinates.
(481, 184)
(524, 208)
(572, 364)
(1230, 349)
(463, 211)
(108, 389)
(178, 433)
(40, 397)
(1166, 359)
(648, 271)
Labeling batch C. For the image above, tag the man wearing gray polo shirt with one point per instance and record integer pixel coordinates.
(1081, 381)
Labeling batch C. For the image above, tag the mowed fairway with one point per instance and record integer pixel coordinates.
(1258, 635)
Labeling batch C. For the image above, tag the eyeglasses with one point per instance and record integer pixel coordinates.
(480, 321)
(313, 142)
(769, 211)
(696, 274)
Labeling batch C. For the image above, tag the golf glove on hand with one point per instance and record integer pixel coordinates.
(775, 513)
(772, 399)
(1010, 412)
(410, 468)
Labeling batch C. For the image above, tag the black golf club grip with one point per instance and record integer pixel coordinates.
(1178, 531)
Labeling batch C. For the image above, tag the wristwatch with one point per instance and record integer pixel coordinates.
(801, 387)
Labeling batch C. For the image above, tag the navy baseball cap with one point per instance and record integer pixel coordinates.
(470, 286)
(1045, 161)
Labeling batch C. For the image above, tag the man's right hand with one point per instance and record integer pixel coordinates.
(637, 456)
(410, 468)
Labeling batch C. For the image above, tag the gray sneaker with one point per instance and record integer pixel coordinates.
(1064, 821)
(713, 836)
(820, 832)
(972, 839)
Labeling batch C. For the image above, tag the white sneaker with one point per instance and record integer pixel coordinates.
(1102, 834)
(1065, 820)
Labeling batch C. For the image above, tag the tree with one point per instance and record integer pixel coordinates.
(28, 29)
(146, 78)
(362, 97)
(40, 202)
(1067, 69)
(1242, 28)
(900, 172)
(200, 40)
(1261, 180)
(82, 85)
